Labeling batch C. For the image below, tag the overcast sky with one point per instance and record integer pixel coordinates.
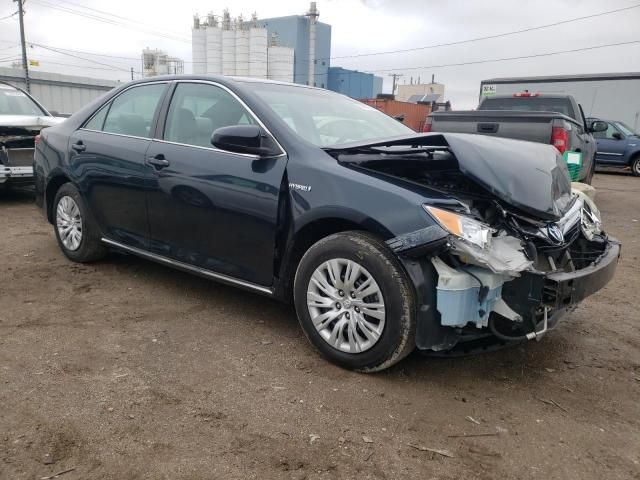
(358, 27)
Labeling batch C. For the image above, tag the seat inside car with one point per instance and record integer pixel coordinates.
(132, 124)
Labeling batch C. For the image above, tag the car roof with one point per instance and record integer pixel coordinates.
(223, 79)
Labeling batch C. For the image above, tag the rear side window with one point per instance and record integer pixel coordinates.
(97, 121)
(530, 104)
(198, 109)
(132, 112)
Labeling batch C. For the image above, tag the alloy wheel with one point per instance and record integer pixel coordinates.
(69, 223)
(346, 305)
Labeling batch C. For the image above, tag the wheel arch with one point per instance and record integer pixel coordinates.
(52, 187)
(313, 230)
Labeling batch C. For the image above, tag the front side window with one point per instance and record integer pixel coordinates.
(608, 133)
(97, 121)
(198, 109)
(132, 112)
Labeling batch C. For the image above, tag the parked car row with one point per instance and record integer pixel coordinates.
(384, 239)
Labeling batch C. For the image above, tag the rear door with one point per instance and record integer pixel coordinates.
(211, 208)
(611, 145)
(107, 157)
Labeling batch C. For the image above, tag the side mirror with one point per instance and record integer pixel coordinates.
(598, 126)
(244, 139)
(617, 135)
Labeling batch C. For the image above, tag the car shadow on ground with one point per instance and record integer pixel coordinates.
(523, 363)
(16, 196)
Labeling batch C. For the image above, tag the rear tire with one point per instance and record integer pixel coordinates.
(364, 305)
(77, 233)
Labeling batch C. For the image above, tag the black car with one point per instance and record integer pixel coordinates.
(384, 239)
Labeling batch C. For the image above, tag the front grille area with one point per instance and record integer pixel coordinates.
(19, 157)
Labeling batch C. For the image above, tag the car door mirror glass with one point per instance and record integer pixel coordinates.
(598, 126)
(243, 139)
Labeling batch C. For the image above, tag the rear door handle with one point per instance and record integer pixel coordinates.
(79, 146)
(158, 161)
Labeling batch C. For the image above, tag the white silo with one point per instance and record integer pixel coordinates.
(198, 47)
(214, 49)
(280, 66)
(258, 52)
(242, 49)
(228, 46)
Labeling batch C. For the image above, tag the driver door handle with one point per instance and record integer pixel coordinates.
(79, 146)
(158, 161)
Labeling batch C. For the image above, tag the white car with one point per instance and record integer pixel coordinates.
(21, 119)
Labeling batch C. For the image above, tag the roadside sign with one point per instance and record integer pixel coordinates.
(34, 63)
(488, 90)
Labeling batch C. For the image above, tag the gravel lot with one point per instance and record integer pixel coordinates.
(125, 369)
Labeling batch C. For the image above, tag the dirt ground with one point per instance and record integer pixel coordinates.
(125, 369)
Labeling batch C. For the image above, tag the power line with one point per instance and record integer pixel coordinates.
(84, 52)
(113, 67)
(487, 37)
(9, 16)
(491, 60)
(103, 12)
(98, 18)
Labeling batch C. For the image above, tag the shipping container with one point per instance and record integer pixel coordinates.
(414, 113)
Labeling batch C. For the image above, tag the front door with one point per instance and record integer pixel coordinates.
(107, 157)
(611, 145)
(210, 208)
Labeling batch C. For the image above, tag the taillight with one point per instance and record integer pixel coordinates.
(37, 139)
(428, 125)
(560, 138)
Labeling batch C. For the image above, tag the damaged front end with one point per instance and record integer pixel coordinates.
(517, 251)
(16, 154)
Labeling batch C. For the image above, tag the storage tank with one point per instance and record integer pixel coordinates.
(258, 52)
(242, 51)
(214, 49)
(228, 46)
(280, 63)
(198, 47)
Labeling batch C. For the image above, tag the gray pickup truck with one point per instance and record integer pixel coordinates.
(557, 120)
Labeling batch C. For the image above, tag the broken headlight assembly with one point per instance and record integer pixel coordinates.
(461, 226)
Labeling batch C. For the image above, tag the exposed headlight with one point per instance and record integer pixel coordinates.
(591, 220)
(466, 228)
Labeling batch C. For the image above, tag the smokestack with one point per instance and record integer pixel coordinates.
(433, 78)
(313, 15)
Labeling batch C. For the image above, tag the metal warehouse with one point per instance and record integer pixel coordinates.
(611, 96)
(60, 93)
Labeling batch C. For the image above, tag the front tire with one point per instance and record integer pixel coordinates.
(355, 302)
(635, 166)
(75, 229)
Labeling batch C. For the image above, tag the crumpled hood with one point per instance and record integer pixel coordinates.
(530, 176)
(32, 122)
(527, 175)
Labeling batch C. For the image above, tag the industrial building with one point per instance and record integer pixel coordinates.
(611, 96)
(353, 83)
(293, 49)
(413, 91)
(157, 62)
(62, 94)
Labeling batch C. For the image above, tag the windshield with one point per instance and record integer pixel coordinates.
(15, 102)
(529, 104)
(326, 118)
(624, 128)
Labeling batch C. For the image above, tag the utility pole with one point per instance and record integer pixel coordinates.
(395, 77)
(25, 66)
